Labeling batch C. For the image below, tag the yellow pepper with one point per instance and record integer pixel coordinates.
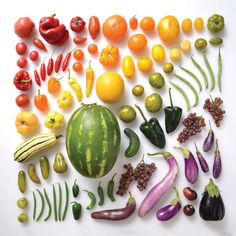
(89, 79)
(54, 120)
(74, 84)
(65, 99)
(128, 67)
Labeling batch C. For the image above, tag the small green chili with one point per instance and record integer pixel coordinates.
(67, 201)
(100, 194)
(35, 206)
(42, 206)
(54, 202)
(75, 189)
(110, 188)
(219, 69)
(49, 205)
(60, 202)
(92, 198)
(209, 70)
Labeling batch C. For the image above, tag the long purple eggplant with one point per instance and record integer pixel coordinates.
(169, 211)
(201, 159)
(158, 190)
(191, 167)
(117, 214)
(209, 141)
(217, 166)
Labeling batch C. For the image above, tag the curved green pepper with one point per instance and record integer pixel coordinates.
(110, 188)
(134, 143)
(92, 198)
(215, 23)
(100, 194)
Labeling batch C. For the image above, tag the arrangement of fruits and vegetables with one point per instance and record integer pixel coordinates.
(93, 137)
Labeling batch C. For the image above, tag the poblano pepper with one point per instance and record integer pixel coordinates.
(172, 115)
(152, 130)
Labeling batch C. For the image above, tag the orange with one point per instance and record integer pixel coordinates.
(110, 87)
(198, 24)
(147, 24)
(137, 43)
(114, 28)
(168, 29)
(145, 63)
(186, 25)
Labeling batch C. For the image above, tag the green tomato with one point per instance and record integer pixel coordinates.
(138, 90)
(168, 67)
(23, 217)
(22, 202)
(127, 113)
(156, 80)
(215, 23)
(153, 102)
(200, 43)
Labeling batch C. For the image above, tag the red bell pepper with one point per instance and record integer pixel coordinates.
(22, 80)
(77, 24)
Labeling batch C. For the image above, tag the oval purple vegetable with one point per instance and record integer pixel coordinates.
(209, 141)
(217, 166)
(201, 159)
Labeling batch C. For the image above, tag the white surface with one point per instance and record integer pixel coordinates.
(180, 225)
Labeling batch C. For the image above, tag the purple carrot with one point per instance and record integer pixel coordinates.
(209, 141)
(202, 161)
(217, 166)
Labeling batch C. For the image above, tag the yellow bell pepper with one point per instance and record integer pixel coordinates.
(128, 67)
(74, 84)
(54, 120)
(65, 100)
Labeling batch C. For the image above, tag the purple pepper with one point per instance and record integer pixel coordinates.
(169, 211)
(209, 141)
(217, 166)
(191, 167)
(202, 161)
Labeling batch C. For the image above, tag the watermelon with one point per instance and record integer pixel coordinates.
(93, 140)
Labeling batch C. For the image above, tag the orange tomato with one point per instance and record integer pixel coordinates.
(137, 43)
(77, 67)
(114, 28)
(198, 24)
(186, 25)
(133, 23)
(78, 54)
(109, 56)
(147, 24)
(92, 48)
(145, 63)
(168, 29)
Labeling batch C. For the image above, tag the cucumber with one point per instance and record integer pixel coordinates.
(134, 143)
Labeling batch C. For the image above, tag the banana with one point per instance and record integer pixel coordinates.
(33, 145)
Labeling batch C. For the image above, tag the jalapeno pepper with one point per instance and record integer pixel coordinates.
(100, 194)
(110, 188)
(215, 23)
(172, 115)
(76, 209)
(152, 130)
(75, 189)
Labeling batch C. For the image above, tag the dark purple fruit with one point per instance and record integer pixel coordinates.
(189, 193)
(189, 210)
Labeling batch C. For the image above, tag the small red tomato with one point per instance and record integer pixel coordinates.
(33, 55)
(190, 194)
(21, 48)
(22, 100)
(189, 210)
(21, 62)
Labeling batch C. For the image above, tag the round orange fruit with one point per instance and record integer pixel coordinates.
(147, 24)
(137, 43)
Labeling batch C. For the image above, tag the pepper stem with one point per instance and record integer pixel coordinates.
(113, 176)
(60, 78)
(90, 64)
(68, 74)
(75, 181)
(166, 155)
(141, 112)
(39, 92)
(170, 97)
(52, 53)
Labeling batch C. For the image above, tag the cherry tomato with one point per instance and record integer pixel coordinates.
(186, 25)
(21, 48)
(92, 48)
(189, 210)
(77, 67)
(33, 55)
(22, 100)
(21, 62)
(133, 23)
(198, 24)
(78, 54)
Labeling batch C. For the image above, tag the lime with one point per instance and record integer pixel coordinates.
(127, 113)
(153, 102)
(138, 90)
(156, 80)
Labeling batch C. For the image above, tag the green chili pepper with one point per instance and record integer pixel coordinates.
(35, 206)
(75, 189)
(152, 130)
(54, 202)
(100, 194)
(209, 70)
(92, 198)
(49, 205)
(44, 166)
(21, 181)
(215, 23)
(219, 69)
(67, 201)
(201, 71)
(110, 188)
(60, 201)
(42, 207)
(172, 115)
(76, 209)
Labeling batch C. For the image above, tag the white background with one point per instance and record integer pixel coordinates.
(180, 225)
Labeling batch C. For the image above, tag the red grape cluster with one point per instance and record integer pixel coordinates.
(214, 107)
(142, 174)
(193, 125)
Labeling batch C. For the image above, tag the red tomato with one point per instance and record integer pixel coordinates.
(21, 62)
(33, 55)
(21, 48)
(22, 100)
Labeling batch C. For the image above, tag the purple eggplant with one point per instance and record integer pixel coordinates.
(169, 211)
(202, 161)
(209, 141)
(117, 214)
(158, 190)
(191, 167)
(217, 166)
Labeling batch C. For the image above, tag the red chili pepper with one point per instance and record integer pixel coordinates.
(50, 65)
(79, 40)
(39, 44)
(37, 78)
(43, 71)
(22, 80)
(66, 60)
(58, 61)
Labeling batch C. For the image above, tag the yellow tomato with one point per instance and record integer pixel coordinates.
(26, 122)
(186, 25)
(145, 63)
(198, 24)
(185, 45)
(110, 87)
(175, 54)
(168, 29)
(128, 67)
(158, 53)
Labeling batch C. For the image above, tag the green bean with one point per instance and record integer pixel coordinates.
(191, 87)
(100, 194)
(67, 201)
(92, 198)
(60, 201)
(209, 70)
(49, 205)
(201, 71)
(193, 76)
(219, 69)
(54, 202)
(35, 206)
(42, 207)
(183, 93)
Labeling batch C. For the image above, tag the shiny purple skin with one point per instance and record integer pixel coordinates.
(217, 166)
(209, 141)
(202, 161)
(168, 212)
